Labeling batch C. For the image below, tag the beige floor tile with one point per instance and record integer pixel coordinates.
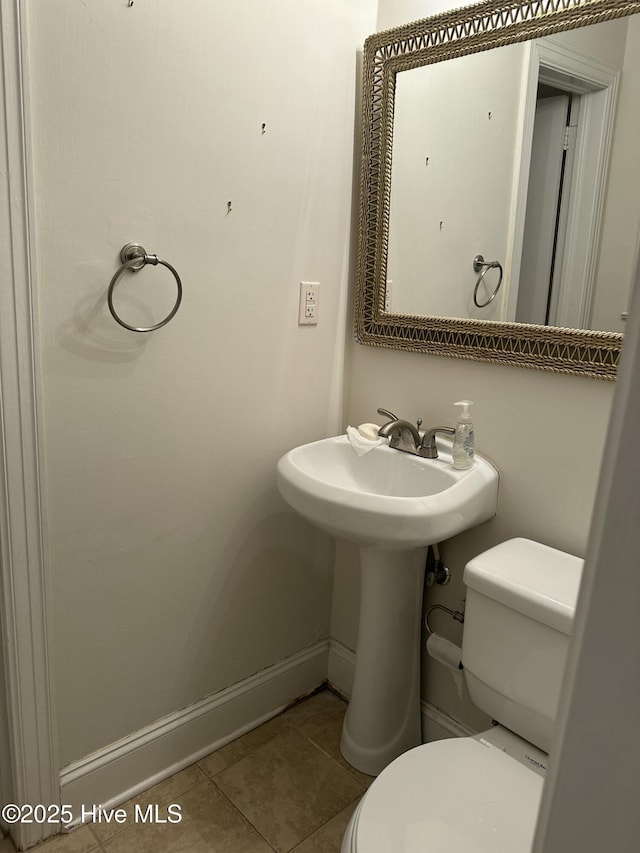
(288, 789)
(328, 839)
(209, 824)
(238, 749)
(161, 794)
(325, 730)
(81, 840)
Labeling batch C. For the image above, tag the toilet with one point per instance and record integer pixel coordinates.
(482, 793)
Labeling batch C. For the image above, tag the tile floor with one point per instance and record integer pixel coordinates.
(282, 787)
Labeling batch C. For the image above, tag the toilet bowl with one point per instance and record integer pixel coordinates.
(450, 796)
(483, 793)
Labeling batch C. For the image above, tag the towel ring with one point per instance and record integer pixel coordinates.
(134, 257)
(478, 263)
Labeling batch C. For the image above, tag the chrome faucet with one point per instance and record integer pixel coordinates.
(402, 435)
(406, 437)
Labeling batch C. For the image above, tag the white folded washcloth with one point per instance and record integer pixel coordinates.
(362, 438)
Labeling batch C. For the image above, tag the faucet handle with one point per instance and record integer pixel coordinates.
(387, 414)
(428, 448)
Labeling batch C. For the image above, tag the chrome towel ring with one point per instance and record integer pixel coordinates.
(134, 257)
(478, 263)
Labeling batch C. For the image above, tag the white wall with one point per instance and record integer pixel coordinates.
(394, 13)
(464, 116)
(544, 432)
(176, 568)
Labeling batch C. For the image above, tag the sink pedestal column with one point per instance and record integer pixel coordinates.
(383, 718)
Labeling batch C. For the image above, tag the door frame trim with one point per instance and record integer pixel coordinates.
(548, 60)
(25, 604)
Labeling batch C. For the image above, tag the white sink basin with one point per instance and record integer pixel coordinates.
(386, 499)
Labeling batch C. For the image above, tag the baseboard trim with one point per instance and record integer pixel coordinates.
(340, 668)
(436, 723)
(126, 767)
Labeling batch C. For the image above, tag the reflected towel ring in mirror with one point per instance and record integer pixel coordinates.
(478, 264)
(134, 257)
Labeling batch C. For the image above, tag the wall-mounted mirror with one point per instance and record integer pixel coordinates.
(509, 131)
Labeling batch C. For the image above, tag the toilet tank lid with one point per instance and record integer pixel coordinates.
(534, 579)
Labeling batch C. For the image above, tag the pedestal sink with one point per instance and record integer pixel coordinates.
(393, 505)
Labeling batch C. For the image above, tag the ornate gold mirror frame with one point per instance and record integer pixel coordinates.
(447, 36)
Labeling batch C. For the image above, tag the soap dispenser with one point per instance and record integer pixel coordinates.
(463, 450)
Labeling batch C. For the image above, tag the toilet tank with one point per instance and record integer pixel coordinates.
(521, 599)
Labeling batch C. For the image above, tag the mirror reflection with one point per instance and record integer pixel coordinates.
(527, 155)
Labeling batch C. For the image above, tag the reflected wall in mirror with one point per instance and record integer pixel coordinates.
(474, 106)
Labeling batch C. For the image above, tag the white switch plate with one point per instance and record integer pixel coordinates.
(309, 303)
